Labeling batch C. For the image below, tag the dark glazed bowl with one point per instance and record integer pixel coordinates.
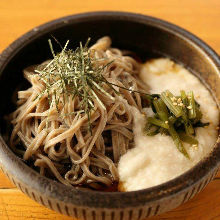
(148, 37)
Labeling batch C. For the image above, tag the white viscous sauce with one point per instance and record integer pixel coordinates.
(155, 160)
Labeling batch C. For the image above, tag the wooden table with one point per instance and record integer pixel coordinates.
(201, 17)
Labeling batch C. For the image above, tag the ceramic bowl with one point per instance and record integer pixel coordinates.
(148, 37)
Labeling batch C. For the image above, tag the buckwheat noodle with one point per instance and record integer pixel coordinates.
(64, 147)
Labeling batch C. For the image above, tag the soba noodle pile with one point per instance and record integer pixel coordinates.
(59, 141)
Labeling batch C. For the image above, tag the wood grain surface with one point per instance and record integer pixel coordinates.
(201, 17)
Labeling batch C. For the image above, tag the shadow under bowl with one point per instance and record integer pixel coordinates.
(148, 37)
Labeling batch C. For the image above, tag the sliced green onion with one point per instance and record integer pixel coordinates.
(177, 141)
(163, 131)
(187, 138)
(161, 109)
(191, 106)
(188, 128)
(187, 124)
(167, 97)
(151, 130)
(158, 122)
(184, 98)
(198, 115)
(172, 119)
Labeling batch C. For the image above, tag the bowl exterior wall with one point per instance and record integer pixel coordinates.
(130, 213)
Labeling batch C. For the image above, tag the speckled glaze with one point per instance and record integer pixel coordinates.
(148, 37)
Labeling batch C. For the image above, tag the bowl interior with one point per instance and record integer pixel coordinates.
(145, 36)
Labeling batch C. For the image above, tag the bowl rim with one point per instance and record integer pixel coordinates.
(80, 197)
